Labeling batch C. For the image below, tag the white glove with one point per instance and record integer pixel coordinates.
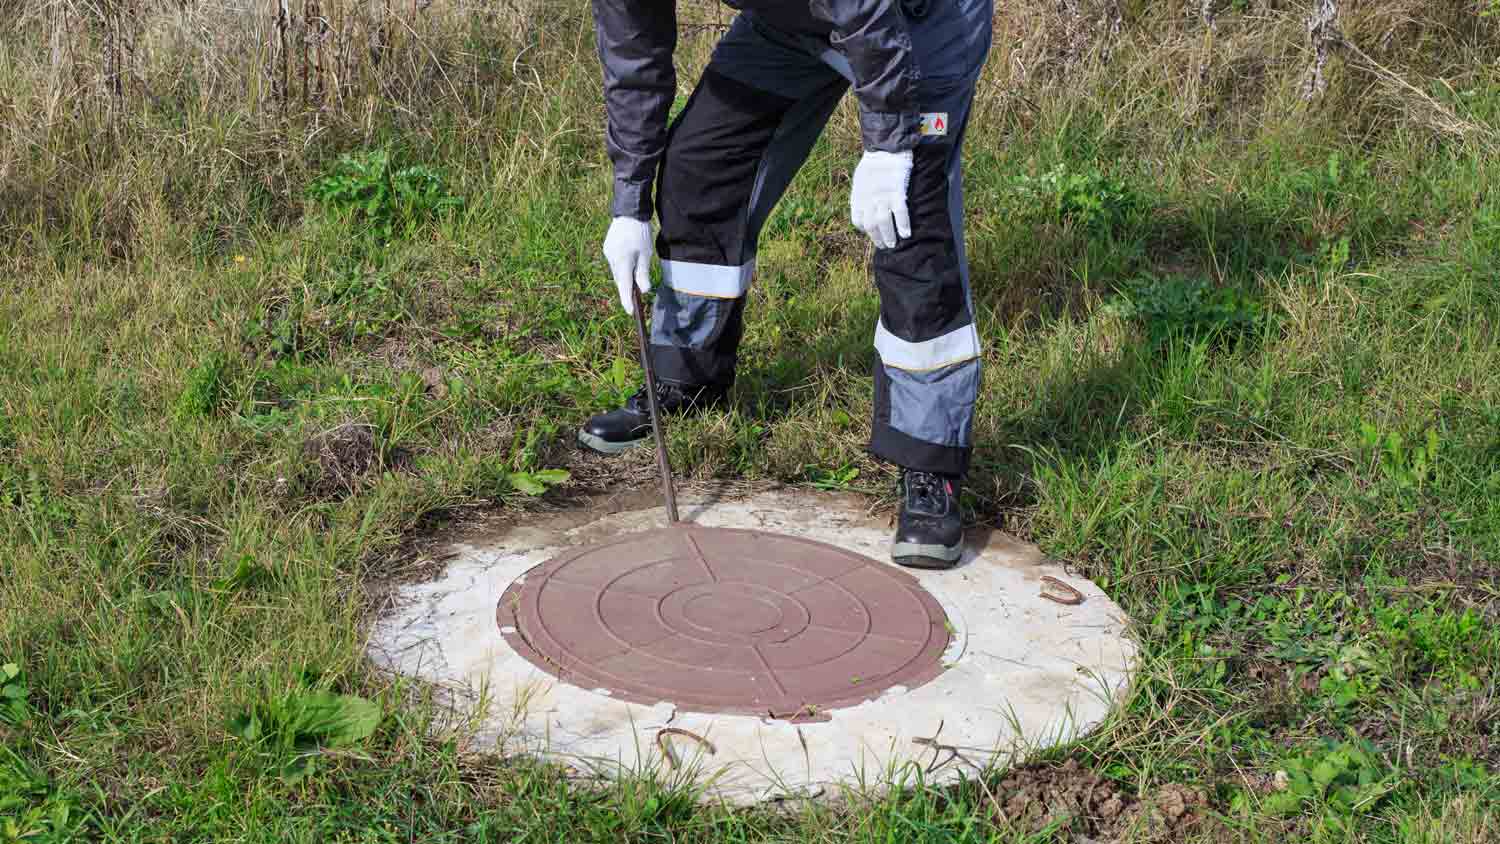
(628, 249)
(877, 203)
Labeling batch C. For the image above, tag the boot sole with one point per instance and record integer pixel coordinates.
(914, 556)
(605, 446)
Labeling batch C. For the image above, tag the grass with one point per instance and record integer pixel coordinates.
(1242, 370)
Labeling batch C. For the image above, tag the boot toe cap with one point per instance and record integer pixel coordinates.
(599, 428)
(614, 431)
(932, 532)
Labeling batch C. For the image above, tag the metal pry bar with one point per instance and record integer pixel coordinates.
(663, 463)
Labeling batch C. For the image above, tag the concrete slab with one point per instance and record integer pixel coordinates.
(1022, 671)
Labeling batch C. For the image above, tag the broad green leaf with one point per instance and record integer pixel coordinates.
(245, 727)
(524, 482)
(1325, 772)
(1283, 803)
(553, 477)
(335, 719)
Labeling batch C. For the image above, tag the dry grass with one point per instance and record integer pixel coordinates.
(158, 127)
(236, 92)
(336, 63)
(1361, 65)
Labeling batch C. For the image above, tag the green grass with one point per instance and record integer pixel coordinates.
(1246, 378)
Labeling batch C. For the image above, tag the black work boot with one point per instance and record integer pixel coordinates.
(618, 430)
(930, 534)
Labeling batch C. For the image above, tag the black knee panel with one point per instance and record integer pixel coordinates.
(714, 151)
(921, 283)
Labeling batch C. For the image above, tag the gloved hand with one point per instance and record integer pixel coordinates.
(628, 249)
(877, 204)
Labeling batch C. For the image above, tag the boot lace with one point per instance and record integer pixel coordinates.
(926, 493)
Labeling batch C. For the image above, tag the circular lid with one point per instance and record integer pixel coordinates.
(719, 620)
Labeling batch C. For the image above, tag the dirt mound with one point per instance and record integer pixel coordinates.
(1070, 796)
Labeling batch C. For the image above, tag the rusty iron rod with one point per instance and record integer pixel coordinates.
(663, 463)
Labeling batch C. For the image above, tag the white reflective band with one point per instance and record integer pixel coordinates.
(957, 346)
(713, 280)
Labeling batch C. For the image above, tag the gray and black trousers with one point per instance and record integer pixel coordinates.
(750, 124)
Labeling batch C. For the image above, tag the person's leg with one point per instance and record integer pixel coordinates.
(927, 380)
(731, 154)
(927, 377)
(746, 130)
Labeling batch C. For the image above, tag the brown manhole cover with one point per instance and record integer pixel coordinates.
(734, 621)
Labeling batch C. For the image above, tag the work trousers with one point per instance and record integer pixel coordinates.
(748, 127)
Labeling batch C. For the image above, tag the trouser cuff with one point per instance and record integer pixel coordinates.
(693, 367)
(892, 446)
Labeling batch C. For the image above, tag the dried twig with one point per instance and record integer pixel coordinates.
(670, 754)
(1060, 593)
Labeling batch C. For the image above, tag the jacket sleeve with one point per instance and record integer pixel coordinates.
(874, 36)
(636, 41)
